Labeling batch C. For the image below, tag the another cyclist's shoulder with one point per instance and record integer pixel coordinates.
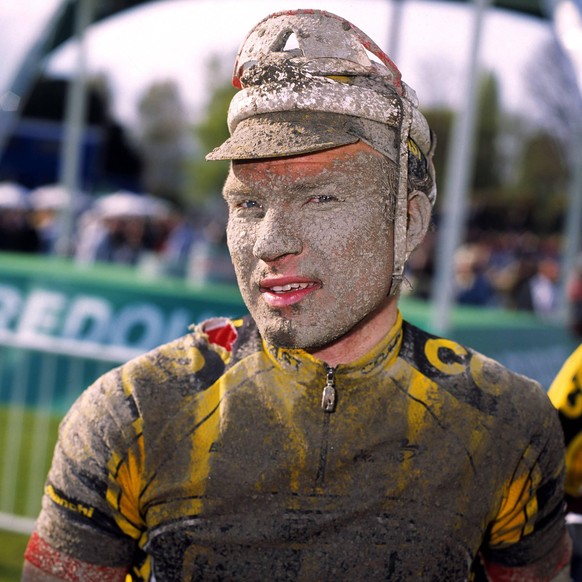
(565, 388)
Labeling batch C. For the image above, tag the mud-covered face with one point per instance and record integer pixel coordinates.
(311, 242)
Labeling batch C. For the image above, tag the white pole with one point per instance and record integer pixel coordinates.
(567, 21)
(74, 127)
(459, 171)
(395, 30)
(572, 236)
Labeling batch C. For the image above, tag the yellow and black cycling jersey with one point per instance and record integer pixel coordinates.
(212, 458)
(566, 395)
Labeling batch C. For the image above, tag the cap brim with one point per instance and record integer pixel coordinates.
(284, 134)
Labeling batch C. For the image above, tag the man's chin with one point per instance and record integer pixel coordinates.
(289, 335)
(283, 336)
(298, 328)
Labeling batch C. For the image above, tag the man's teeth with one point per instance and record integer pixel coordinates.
(290, 287)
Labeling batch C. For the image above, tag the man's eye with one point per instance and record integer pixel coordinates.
(249, 204)
(322, 198)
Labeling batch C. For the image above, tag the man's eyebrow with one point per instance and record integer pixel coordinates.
(301, 185)
(306, 185)
(231, 190)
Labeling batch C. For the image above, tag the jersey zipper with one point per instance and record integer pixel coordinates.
(328, 403)
(329, 396)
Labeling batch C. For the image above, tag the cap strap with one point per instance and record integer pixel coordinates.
(401, 202)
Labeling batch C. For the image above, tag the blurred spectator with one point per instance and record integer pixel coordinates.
(544, 287)
(520, 292)
(123, 241)
(16, 232)
(91, 231)
(502, 264)
(536, 287)
(119, 229)
(471, 284)
(179, 238)
(49, 203)
(209, 260)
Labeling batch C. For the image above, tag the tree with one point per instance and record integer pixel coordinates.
(499, 138)
(542, 182)
(487, 173)
(164, 141)
(440, 120)
(547, 162)
(555, 93)
(205, 179)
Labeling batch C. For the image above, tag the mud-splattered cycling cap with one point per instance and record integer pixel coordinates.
(308, 83)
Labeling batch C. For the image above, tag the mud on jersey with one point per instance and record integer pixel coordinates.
(211, 458)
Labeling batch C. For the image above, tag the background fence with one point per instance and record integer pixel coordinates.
(41, 378)
(61, 327)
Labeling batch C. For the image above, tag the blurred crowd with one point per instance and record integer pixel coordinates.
(121, 227)
(514, 270)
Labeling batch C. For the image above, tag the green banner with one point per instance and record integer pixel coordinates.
(104, 304)
(111, 305)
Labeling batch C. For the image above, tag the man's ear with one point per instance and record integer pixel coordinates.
(419, 214)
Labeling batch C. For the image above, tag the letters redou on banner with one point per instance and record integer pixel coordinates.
(89, 318)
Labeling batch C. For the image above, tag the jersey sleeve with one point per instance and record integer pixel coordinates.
(529, 526)
(81, 516)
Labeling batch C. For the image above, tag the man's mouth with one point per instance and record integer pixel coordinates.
(288, 287)
(283, 293)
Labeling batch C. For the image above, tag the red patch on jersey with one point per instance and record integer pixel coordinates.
(543, 570)
(223, 334)
(42, 555)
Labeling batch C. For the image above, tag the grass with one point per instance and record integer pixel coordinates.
(12, 548)
(27, 438)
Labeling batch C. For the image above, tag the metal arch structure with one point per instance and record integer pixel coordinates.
(64, 26)
(527, 7)
(107, 8)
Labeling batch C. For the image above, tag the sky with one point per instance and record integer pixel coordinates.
(174, 39)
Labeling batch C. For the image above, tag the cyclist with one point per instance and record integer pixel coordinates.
(321, 437)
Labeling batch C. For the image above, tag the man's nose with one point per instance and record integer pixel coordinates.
(276, 238)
